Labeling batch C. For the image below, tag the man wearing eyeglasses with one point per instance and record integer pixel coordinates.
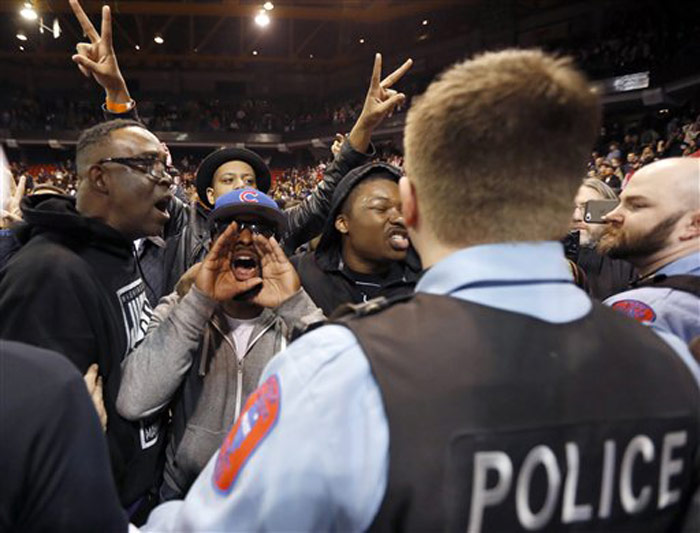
(209, 343)
(75, 287)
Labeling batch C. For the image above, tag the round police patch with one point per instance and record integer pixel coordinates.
(635, 309)
(257, 419)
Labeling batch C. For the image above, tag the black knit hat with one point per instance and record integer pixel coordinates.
(206, 170)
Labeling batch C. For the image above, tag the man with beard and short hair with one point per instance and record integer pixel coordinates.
(656, 227)
(207, 346)
(364, 249)
(74, 286)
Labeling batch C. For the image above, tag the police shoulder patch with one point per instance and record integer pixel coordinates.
(255, 422)
(635, 309)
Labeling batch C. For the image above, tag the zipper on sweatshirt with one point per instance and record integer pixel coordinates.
(239, 363)
(239, 387)
(239, 377)
(239, 371)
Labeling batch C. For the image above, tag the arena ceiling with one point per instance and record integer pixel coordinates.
(222, 33)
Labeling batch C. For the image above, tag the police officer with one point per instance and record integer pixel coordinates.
(656, 227)
(498, 397)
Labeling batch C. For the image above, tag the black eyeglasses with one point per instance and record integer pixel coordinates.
(257, 227)
(155, 169)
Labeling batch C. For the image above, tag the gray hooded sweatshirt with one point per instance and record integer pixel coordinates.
(188, 362)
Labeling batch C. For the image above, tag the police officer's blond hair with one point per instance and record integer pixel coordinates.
(496, 147)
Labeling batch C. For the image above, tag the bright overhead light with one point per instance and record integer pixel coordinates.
(158, 39)
(21, 36)
(56, 28)
(21, 48)
(425, 22)
(311, 56)
(137, 47)
(28, 11)
(268, 6)
(262, 19)
(255, 52)
(362, 41)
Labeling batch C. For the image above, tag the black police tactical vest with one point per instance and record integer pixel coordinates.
(502, 422)
(684, 282)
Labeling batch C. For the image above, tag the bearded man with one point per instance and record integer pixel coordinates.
(656, 227)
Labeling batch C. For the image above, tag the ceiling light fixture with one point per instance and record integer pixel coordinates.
(21, 36)
(255, 52)
(137, 47)
(362, 40)
(268, 6)
(425, 22)
(28, 12)
(262, 19)
(21, 48)
(158, 39)
(55, 28)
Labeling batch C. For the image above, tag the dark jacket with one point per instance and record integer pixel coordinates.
(323, 273)
(605, 276)
(8, 246)
(74, 288)
(53, 458)
(188, 243)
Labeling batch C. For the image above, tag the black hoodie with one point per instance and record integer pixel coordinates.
(325, 277)
(74, 287)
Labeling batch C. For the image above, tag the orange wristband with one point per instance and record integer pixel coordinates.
(114, 107)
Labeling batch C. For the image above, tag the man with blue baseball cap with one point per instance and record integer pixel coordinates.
(210, 341)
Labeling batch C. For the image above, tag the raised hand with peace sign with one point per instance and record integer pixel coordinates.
(97, 58)
(380, 102)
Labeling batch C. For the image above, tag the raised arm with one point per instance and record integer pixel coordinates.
(98, 60)
(306, 220)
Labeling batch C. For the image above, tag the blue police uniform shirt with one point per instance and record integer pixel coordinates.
(310, 450)
(675, 311)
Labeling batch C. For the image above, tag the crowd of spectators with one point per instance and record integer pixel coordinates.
(22, 113)
(630, 41)
(621, 150)
(614, 162)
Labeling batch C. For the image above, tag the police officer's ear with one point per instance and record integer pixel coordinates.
(409, 203)
(341, 224)
(692, 230)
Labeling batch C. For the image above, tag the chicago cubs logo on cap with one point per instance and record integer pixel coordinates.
(250, 197)
(255, 422)
(635, 309)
